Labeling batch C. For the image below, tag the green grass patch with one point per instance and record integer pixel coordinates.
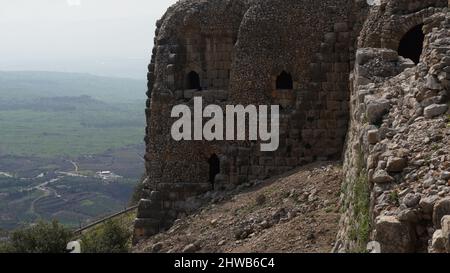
(71, 133)
(361, 221)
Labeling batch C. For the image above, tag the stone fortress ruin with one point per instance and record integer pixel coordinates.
(326, 64)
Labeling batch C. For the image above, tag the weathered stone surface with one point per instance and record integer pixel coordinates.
(373, 137)
(373, 247)
(402, 99)
(382, 177)
(394, 236)
(376, 109)
(396, 164)
(435, 110)
(445, 223)
(427, 204)
(441, 209)
(408, 215)
(438, 242)
(432, 83)
(238, 50)
(411, 200)
(211, 49)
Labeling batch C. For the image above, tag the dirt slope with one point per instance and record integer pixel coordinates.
(297, 212)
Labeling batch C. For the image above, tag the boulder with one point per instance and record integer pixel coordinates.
(411, 200)
(394, 236)
(396, 164)
(372, 137)
(445, 223)
(441, 209)
(438, 242)
(427, 204)
(376, 109)
(373, 247)
(432, 83)
(382, 177)
(435, 110)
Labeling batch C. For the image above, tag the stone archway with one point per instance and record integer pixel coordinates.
(411, 44)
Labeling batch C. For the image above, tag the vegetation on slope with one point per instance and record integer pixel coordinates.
(40, 238)
(112, 236)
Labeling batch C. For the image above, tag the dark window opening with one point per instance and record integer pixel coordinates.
(193, 81)
(284, 81)
(214, 168)
(411, 45)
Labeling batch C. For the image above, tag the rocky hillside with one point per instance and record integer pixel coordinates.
(296, 212)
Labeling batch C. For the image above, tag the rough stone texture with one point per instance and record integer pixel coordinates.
(349, 84)
(393, 235)
(373, 137)
(396, 164)
(435, 110)
(406, 168)
(238, 48)
(441, 209)
(438, 243)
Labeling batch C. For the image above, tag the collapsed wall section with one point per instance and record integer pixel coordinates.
(397, 185)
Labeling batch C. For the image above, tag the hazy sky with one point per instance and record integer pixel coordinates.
(104, 37)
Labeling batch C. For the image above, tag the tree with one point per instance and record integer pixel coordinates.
(40, 238)
(110, 238)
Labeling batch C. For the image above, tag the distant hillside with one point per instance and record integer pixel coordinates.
(25, 85)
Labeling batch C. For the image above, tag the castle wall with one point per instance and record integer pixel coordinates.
(238, 49)
(193, 36)
(343, 61)
(313, 41)
(391, 195)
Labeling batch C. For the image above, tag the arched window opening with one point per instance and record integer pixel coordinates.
(193, 81)
(284, 81)
(411, 45)
(214, 168)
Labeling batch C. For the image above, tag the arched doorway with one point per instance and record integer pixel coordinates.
(284, 81)
(214, 168)
(193, 81)
(411, 45)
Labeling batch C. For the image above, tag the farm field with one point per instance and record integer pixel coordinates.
(71, 146)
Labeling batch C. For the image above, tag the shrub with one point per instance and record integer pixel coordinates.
(109, 238)
(40, 238)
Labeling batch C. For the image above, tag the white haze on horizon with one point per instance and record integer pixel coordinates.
(102, 37)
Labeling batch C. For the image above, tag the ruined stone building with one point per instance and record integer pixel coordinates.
(309, 57)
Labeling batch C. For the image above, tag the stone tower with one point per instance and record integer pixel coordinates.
(298, 54)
